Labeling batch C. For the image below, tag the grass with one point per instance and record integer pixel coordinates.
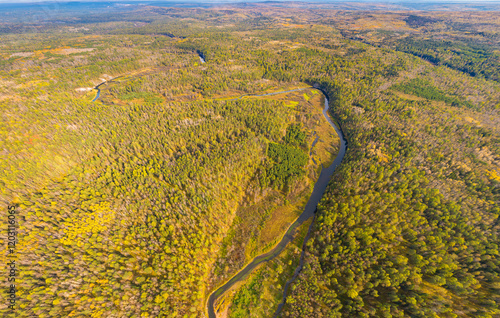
(326, 148)
(291, 103)
(276, 216)
(267, 282)
(281, 218)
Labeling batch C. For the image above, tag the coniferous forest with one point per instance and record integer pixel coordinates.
(151, 151)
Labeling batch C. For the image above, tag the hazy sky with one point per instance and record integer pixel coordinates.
(211, 1)
(386, 1)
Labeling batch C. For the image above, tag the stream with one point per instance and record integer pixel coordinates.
(97, 95)
(202, 57)
(102, 83)
(309, 211)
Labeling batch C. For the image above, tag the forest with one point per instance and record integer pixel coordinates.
(144, 199)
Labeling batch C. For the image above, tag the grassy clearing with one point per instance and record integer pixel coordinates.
(261, 293)
(326, 148)
(281, 217)
(264, 223)
(291, 103)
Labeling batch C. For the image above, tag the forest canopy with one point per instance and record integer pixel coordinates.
(151, 152)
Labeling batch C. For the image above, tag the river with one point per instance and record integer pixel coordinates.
(102, 83)
(309, 210)
(202, 57)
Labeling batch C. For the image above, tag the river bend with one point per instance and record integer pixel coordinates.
(309, 210)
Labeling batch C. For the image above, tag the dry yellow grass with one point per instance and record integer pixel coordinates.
(325, 150)
(281, 219)
(324, 153)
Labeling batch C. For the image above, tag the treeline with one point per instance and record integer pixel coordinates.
(473, 59)
(422, 88)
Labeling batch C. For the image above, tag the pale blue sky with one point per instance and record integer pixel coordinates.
(386, 1)
(232, 1)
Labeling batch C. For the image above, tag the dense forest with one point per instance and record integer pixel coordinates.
(141, 198)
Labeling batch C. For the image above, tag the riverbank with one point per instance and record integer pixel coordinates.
(307, 213)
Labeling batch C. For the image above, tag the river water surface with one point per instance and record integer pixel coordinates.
(309, 210)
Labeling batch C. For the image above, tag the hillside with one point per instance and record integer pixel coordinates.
(142, 197)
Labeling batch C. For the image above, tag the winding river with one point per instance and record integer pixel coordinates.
(309, 210)
(98, 93)
(102, 83)
(202, 57)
